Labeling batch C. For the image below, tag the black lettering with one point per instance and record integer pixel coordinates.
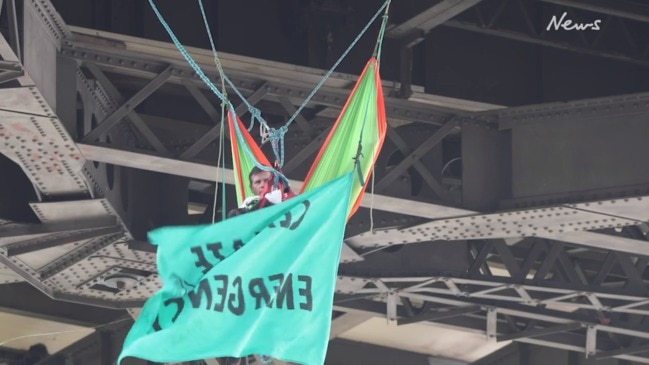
(216, 250)
(180, 305)
(202, 262)
(222, 291)
(237, 310)
(156, 324)
(297, 223)
(306, 292)
(237, 245)
(284, 291)
(197, 294)
(259, 292)
(286, 222)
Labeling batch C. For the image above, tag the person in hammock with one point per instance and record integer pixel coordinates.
(261, 184)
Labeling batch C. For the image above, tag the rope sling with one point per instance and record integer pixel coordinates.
(249, 151)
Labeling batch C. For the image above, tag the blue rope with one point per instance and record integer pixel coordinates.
(212, 87)
(379, 38)
(342, 57)
(276, 135)
(254, 112)
(217, 62)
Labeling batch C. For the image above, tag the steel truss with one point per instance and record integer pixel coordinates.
(546, 293)
(543, 290)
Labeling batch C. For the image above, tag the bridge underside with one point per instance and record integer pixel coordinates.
(510, 203)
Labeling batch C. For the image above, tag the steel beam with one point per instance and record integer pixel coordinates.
(15, 230)
(518, 36)
(430, 18)
(623, 351)
(541, 332)
(131, 63)
(24, 299)
(620, 9)
(14, 37)
(42, 243)
(438, 314)
(199, 171)
(204, 172)
(7, 54)
(563, 340)
(10, 71)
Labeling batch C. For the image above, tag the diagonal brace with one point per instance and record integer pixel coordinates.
(301, 121)
(423, 171)
(130, 105)
(215, 131)
(431, 142)
(132, 115)
(307, 151)
(10, 75)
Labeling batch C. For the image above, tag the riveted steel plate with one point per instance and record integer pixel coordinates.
(8, 276)
(72, 209)
(41, 258)
(26, 100)
(44, 151)
(349, 285)
(551, 221)
(629, 208)
(72, 276)
(13, 239)
(349, 255)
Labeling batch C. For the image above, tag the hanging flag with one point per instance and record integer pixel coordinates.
(259, 283)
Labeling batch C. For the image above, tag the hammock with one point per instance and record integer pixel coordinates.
(352, 145)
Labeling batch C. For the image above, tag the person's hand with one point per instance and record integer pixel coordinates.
(274, 197)
(250, 201)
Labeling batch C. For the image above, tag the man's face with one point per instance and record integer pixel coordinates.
(259, 181)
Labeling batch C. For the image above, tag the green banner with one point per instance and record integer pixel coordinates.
(259, 283)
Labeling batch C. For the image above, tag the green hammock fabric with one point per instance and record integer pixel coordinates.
(363, 118)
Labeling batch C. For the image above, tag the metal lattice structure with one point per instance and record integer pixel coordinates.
(495, 247)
